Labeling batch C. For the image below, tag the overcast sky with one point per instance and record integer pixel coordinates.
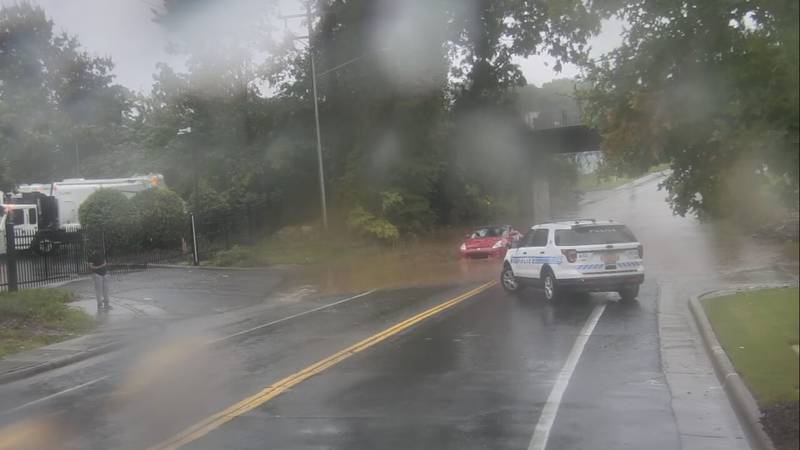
(124, 30)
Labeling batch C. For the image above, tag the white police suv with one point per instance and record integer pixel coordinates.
(576, 255)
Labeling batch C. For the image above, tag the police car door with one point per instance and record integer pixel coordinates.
(522, 261)
(538, 252)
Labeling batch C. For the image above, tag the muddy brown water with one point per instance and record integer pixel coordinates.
(419, 265)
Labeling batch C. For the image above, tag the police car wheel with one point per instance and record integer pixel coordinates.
(629, 294)
(550, 286)
(508, 280)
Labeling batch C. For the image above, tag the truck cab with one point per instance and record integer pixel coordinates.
(26, 218)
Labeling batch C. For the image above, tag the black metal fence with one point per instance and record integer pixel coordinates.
(22, 267)
(33, 259)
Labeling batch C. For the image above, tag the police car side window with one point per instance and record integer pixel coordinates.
(539, 238)
(528, 239)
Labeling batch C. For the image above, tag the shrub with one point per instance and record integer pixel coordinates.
(162, 218)
(208, 204)
(110, 215)
(236, 256)
(367, 224)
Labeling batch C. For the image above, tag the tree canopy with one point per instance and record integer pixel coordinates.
(54, 98)
(423, 107)
(710, 87)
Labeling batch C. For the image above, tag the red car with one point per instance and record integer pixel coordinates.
(488, 242)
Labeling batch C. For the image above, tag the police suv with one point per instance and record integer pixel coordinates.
(576, 255)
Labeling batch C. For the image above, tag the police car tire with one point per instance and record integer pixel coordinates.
(516, 287)
(629, 294)
(554, 292)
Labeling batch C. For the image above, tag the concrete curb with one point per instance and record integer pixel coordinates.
(57, 363)
(739, 395)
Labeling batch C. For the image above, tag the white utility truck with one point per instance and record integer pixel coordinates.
(44, 213)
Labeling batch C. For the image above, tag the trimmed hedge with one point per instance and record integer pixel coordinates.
(152, 219)
(110, 215)
(162, 218)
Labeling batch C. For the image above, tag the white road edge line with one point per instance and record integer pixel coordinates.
(548, 416)
(293, 316)
(52, 396)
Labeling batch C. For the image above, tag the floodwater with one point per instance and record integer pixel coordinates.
(417, 264)
(680, 249)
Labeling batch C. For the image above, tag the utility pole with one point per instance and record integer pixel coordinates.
(323, 201)
(320, 164)
(310, 29)
(77, 161)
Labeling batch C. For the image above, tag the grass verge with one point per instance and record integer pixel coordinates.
(36, 317)
(757, 329)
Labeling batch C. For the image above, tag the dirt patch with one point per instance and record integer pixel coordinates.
(780, 421)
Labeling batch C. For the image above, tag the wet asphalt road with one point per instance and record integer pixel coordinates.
(477, 375)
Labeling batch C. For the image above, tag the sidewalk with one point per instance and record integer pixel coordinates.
(117, 327)
(703, 414)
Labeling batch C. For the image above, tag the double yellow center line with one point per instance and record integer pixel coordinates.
(213, 422)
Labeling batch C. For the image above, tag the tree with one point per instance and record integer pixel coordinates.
(409, 81)
(710, 87)
(162, 218)
(554, 104)
(487, 35)
(55, 99)
(110, 219)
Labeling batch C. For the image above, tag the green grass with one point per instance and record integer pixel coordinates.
(36, 317)
(757, 330)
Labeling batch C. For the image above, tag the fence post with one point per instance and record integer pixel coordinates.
(195, 254)
(78, 254)
(11, 254)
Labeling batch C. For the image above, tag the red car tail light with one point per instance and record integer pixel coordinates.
(571, 255)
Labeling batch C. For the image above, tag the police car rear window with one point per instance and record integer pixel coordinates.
(594, 235)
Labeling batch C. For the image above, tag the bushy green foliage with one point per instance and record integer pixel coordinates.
(368, 225)
(237, 256)
(208, 204)
(420, 135)
(110, 219)
(55, 99)
(162, 218)
(712, 89)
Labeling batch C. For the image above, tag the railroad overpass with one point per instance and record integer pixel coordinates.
(543, 144)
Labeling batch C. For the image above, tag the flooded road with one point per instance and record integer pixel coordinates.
(684, 249)
(681, 249)
(420, 353)
(416, 265)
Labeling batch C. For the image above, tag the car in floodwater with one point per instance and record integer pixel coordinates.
(577, 255)
(488, 242)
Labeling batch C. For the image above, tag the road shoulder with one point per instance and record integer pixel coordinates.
(703, 413)
(743, 402)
